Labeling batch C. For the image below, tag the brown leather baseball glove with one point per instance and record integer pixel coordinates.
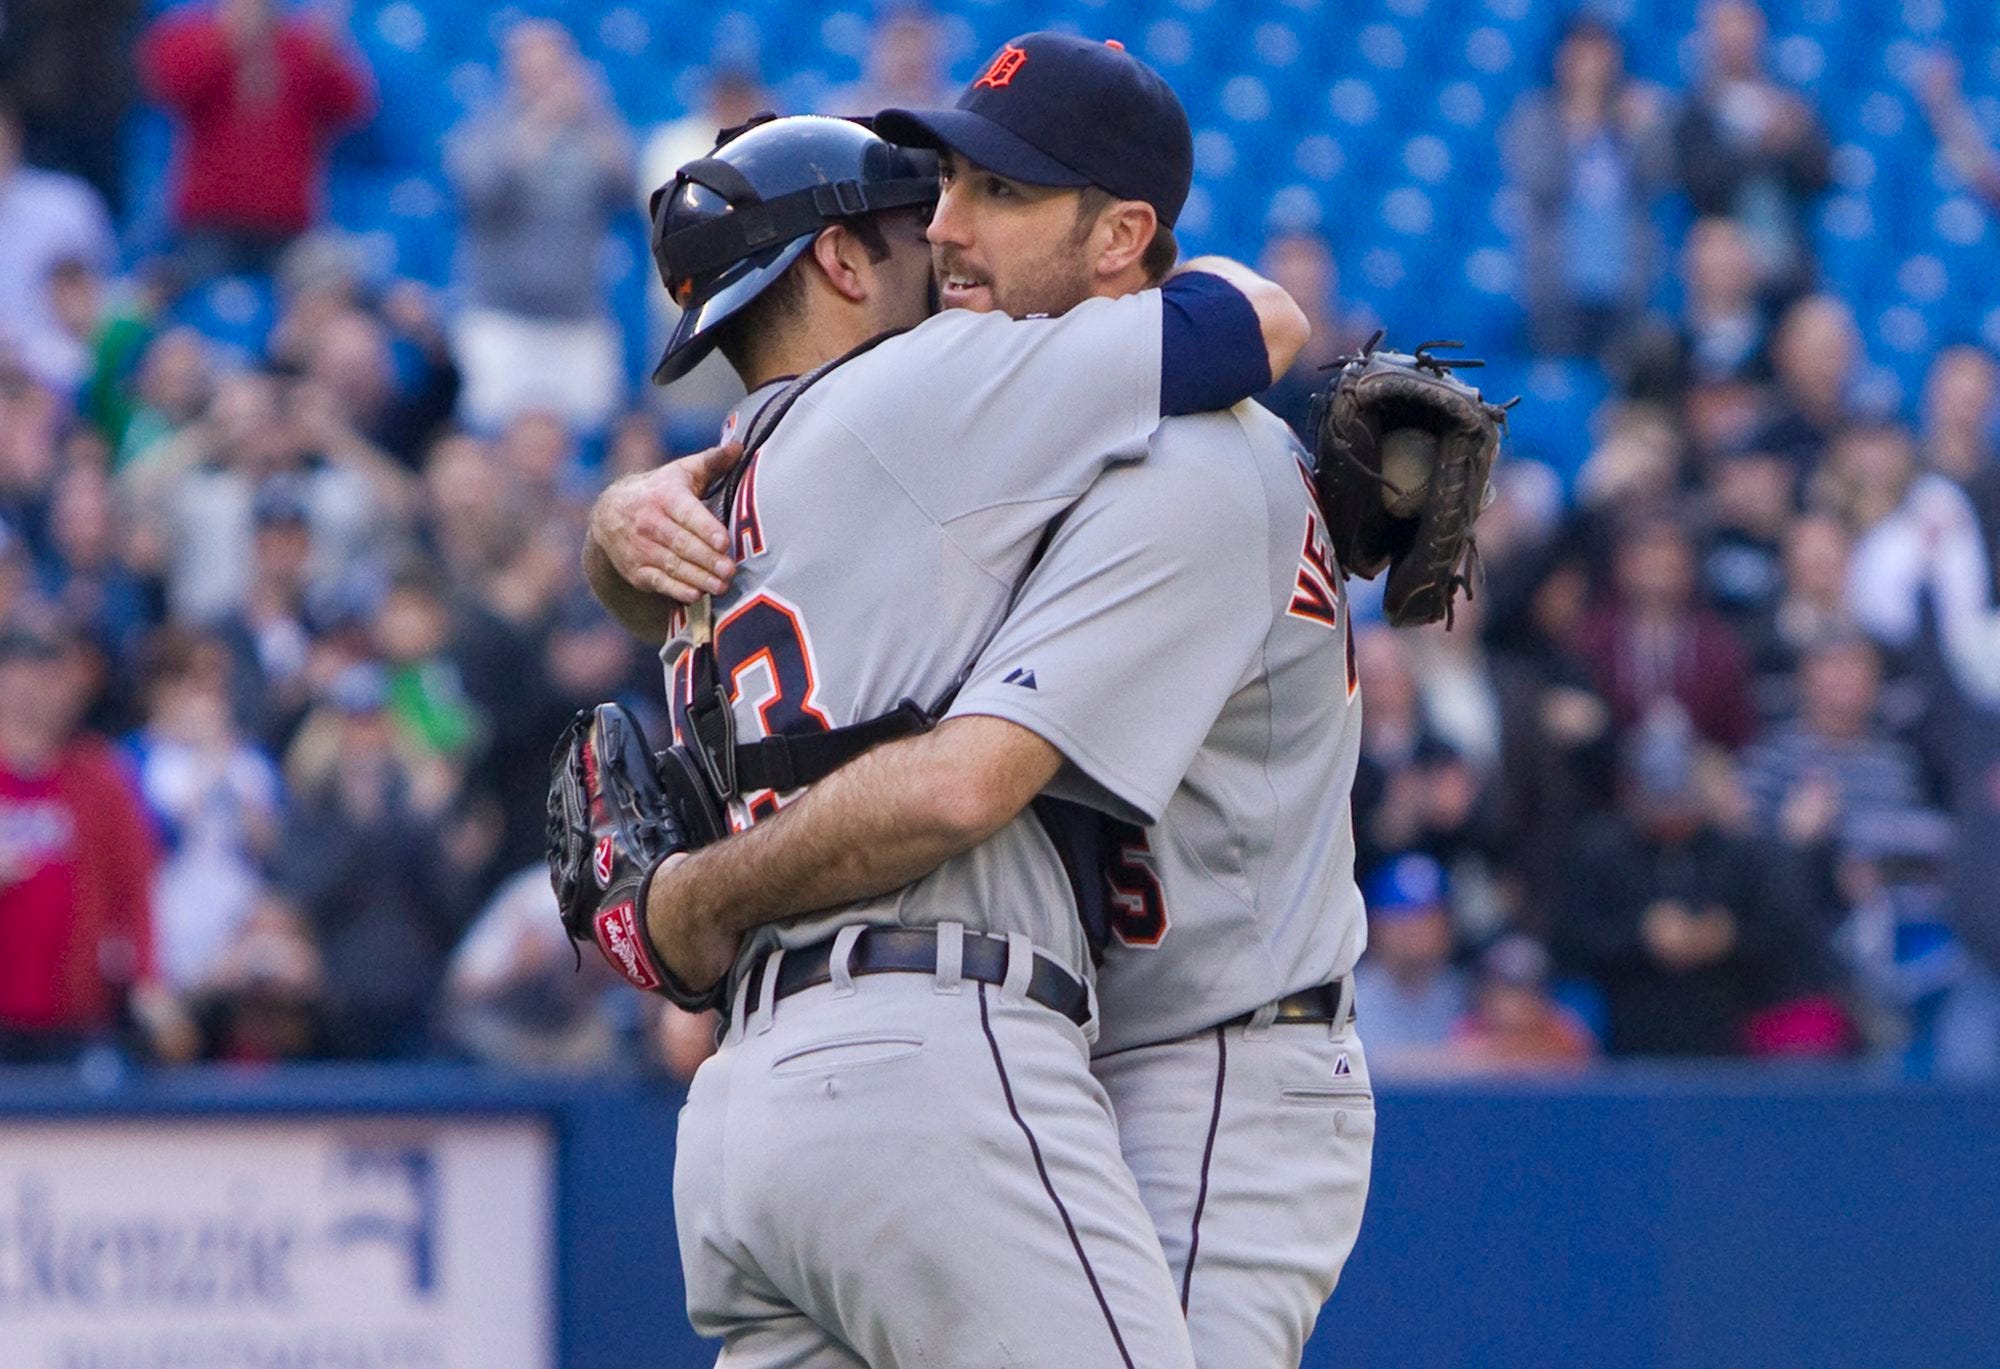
(1428, 551)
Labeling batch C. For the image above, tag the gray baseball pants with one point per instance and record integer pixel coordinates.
(1251, 1145)
(900, 1170)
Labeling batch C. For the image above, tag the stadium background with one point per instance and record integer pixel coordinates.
(284, 519)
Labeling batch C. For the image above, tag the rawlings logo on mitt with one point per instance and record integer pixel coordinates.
(1405, 450)
(624, 945)
(614, 815)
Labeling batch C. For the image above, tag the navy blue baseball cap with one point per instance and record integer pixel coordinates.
(1053, 109)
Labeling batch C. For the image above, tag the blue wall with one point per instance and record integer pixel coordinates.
(1691, 1221)
(1638, 1219)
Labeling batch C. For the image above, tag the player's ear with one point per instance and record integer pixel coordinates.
(1124, 229)
(841, 258)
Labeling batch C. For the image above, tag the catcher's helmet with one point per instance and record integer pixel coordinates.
(732, 222)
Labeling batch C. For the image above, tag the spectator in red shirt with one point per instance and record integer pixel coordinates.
(76, 868)
(1655, 646)
(258, 100)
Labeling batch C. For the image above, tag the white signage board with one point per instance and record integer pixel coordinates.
(316, 1243)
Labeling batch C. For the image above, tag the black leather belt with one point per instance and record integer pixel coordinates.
(1320, 1003)
(914, 950)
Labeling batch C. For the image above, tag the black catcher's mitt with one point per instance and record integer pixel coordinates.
(615, 813)
(1405, 407)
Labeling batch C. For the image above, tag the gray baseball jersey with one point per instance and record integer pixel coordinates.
(838, 1146)
(1184, 643)
(881, 533)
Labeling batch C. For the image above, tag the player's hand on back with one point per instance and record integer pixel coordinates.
(657, 533)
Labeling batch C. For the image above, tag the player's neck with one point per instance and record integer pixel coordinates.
(798, 350)
(1130, 281)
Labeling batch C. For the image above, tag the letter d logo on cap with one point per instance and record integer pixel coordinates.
(1010, 60)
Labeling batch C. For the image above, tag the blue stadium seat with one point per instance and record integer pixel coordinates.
(145, 159)
(1850, 236)
(1482, 305)
(1490, 54)
(235, 311)
(403, 47)
(1375, 123)
(421, 218)
(633, 53)
(1961, 233)
(1559, 401)
(1169, 44)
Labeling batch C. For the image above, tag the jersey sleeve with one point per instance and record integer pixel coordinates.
(1144, 615)
(1212, 351)
(975, 412)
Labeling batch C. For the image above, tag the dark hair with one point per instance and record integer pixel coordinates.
(1160, 254)
(780, 301)
(1838, 640)
(1654, 520)
(176, 653)
(1591, 28)
(1874, 430)
(418, 574)
(1584, 24)
(69, 270)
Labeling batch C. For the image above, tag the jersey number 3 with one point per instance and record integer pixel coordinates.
(762, 646)
(1138, 907)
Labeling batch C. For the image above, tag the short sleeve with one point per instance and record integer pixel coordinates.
(970, 412)
(1145, 614)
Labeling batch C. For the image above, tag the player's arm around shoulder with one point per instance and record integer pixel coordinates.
(1211, 314)
(1280, 320)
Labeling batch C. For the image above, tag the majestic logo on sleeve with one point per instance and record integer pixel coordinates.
(1002, 72)
(618, 938)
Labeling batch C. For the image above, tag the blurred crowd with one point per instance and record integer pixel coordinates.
(1710, 767)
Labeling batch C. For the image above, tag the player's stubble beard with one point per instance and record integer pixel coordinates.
(1051, 283)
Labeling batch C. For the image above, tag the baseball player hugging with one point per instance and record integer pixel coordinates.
(1006, 820)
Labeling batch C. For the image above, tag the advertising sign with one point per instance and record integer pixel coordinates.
(337, 1243)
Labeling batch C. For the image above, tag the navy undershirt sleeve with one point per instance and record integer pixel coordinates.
(1212, 353)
